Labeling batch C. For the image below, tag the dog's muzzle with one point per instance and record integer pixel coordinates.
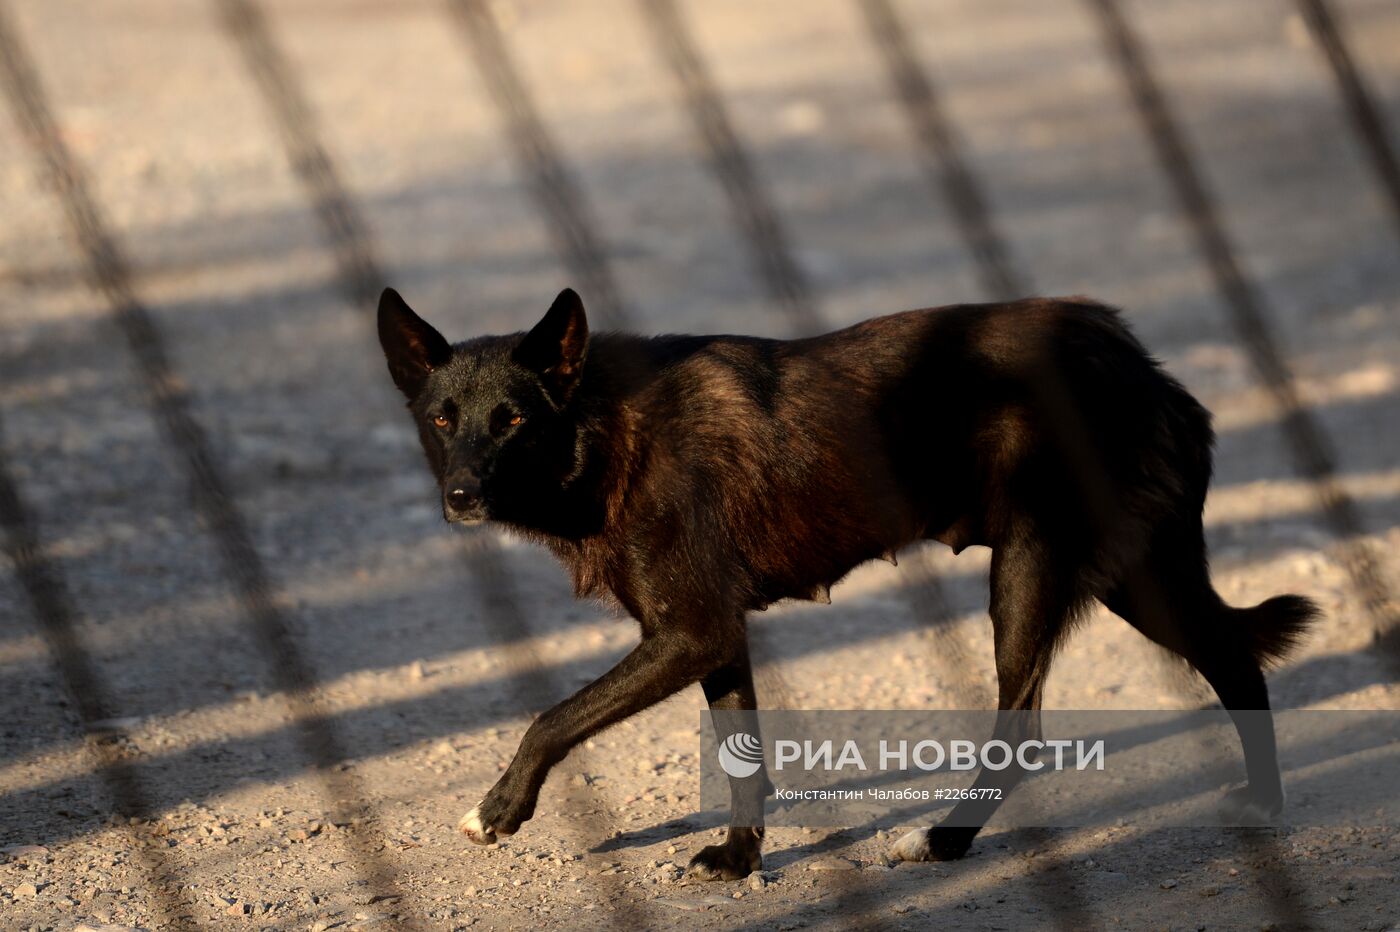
(462, 502)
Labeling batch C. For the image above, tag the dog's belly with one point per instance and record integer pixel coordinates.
(808, 580)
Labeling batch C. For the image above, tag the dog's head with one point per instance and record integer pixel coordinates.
(493, 413)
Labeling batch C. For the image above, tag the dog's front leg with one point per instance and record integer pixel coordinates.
(734, 705)
(661, 665)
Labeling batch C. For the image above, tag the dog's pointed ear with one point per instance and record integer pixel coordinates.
(411, 346)
(555, 349)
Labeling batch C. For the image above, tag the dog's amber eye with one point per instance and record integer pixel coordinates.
(440, 421)
(517, 421)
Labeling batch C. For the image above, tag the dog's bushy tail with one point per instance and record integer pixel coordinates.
(1276, 626)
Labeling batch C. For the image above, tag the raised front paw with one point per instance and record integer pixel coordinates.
(494, 816)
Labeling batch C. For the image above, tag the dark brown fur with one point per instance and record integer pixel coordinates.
(694, 479)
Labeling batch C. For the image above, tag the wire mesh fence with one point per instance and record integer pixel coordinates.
(572, 224)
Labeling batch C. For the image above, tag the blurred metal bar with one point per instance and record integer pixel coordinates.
(788, 286)
(362, 277)
(949, 172)
(786, 283)
(167, 397)
(941, 155)
(753, 212)
(569, 219)
(52, 604)
(1310, 447)
(1366, 117)
(1249, 315)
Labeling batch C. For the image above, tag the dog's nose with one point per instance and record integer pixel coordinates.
(462, 496)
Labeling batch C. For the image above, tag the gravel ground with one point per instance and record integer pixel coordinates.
(286, 378)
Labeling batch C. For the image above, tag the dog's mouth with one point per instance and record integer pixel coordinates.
(468, 513)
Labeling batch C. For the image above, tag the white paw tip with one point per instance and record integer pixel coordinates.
(470, 825)
(912, 847)
(1240, 808)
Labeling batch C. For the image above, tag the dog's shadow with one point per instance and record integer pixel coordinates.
(662, 831)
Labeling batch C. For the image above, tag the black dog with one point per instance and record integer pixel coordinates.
(694, 479)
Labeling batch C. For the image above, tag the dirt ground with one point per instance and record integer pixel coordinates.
(286, 378)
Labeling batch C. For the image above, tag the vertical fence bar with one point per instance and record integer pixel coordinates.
(949, 172)
(1366, 117)
(557, 193)
(362, 277)
(789, 287)
(1249, 315)
(753, 211)
(763, 232)
(941, 155)
(52, 604)
(169, 403)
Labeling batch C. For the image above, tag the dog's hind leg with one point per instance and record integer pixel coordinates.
(1032, 603)
(1169, 598)
(734, 704)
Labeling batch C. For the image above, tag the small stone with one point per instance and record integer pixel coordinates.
(26, 891)
(757, 881)
(416, 671)
(1211, 891)
(1169, 883)
(237, 909)
(19, 852)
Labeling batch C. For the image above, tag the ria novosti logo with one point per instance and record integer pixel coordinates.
(740, 755)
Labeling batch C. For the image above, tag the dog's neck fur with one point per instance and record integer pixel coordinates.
(582, 527)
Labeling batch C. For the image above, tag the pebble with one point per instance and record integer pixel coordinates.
(757, 881)
(24, 851)
(26, 891)
(1169, 883)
